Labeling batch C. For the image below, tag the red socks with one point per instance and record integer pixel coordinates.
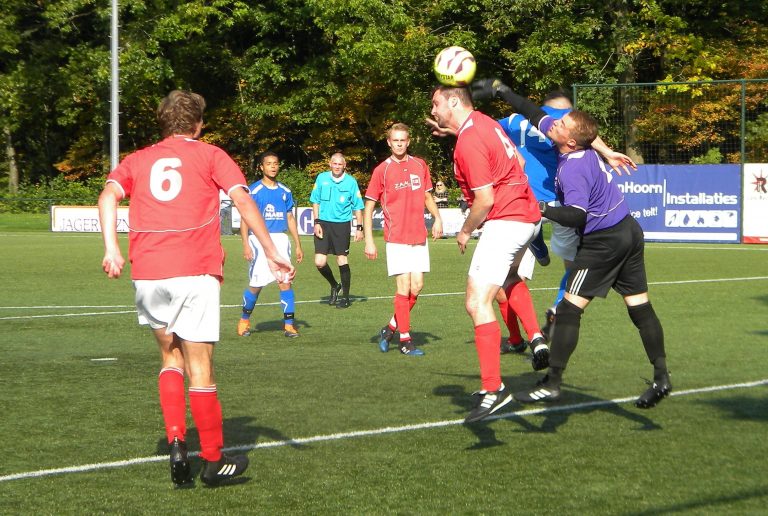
(403, 315)
(206, 411)
(521, 303)
(173, 402)
(487, 338)
(510, 321)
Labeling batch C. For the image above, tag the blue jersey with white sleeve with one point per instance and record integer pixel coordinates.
(274, 204)
(584, 181)
(538, 150)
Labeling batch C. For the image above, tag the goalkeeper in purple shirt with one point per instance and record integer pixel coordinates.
(610, 254)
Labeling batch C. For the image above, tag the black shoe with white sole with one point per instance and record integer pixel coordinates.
(542, 391)
(227, 467)
(488, 402)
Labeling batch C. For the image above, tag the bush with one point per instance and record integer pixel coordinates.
(38, 198)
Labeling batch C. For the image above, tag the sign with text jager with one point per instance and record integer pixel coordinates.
(685, 203)
(84, 219)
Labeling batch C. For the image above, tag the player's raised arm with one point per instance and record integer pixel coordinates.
(494, 88)
(616, 160)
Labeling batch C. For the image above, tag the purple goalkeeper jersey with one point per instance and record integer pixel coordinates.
(584, 181)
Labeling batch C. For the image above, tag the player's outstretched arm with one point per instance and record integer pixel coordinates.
(494, 88)
(616, 160)
(436, 130)
(280, 266)
(113, 260)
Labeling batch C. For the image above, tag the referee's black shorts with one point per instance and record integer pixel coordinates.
(336, 238)
(610, 258)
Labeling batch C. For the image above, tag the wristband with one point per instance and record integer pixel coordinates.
(359, 227)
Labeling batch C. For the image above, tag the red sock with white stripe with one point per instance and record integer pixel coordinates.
(521, 303)
(206, 411)
(487, 338)
(173, 402)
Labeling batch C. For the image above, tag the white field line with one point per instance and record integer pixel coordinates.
(374, 432)
(371, 298)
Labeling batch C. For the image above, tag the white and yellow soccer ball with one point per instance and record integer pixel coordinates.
(455, 66)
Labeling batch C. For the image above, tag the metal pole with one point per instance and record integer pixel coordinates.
(114, 137)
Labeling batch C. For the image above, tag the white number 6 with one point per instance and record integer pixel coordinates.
(164, 170)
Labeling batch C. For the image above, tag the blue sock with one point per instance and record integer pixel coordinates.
(288, 302)
(561, 292)
(538, 247)
(249, 301)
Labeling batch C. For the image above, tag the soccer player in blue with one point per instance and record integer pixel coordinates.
(275, 203)
(610, 255)
(336, 200)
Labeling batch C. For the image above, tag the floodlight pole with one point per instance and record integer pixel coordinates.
(114, 137)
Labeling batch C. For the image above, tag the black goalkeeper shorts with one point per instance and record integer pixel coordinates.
(610, 258)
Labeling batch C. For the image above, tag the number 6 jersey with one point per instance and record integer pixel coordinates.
(173, 188)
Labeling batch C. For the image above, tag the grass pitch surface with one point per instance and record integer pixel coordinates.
(332, 425)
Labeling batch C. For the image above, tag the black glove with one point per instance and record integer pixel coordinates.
(487, 89)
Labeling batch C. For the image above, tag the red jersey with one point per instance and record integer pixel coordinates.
(485, 156)
(174, 210)
(400, 187)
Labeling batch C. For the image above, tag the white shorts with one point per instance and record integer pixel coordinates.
(187, 306)
(500, 247)
(564, 241)
(527, 263)
(259, 271)
(404, 258)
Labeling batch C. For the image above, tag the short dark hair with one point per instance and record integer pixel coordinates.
(266, 155)
(557, 94)
(462, 93)
(180, 112)
(584, 129)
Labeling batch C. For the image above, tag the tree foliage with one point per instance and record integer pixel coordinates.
(306, 78)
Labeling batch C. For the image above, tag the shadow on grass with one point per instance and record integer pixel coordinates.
(572, 397)
(419, 338)
(486, 436)
(579, 399)
(742, 408)
(706, 504)
(237, 430)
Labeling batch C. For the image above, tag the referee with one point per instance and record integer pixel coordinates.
(336, 200)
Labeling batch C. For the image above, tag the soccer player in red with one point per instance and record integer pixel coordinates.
(402, 185)
(177, 268)
(489, 171)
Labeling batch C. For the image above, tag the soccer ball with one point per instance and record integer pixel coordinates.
(455, 66)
